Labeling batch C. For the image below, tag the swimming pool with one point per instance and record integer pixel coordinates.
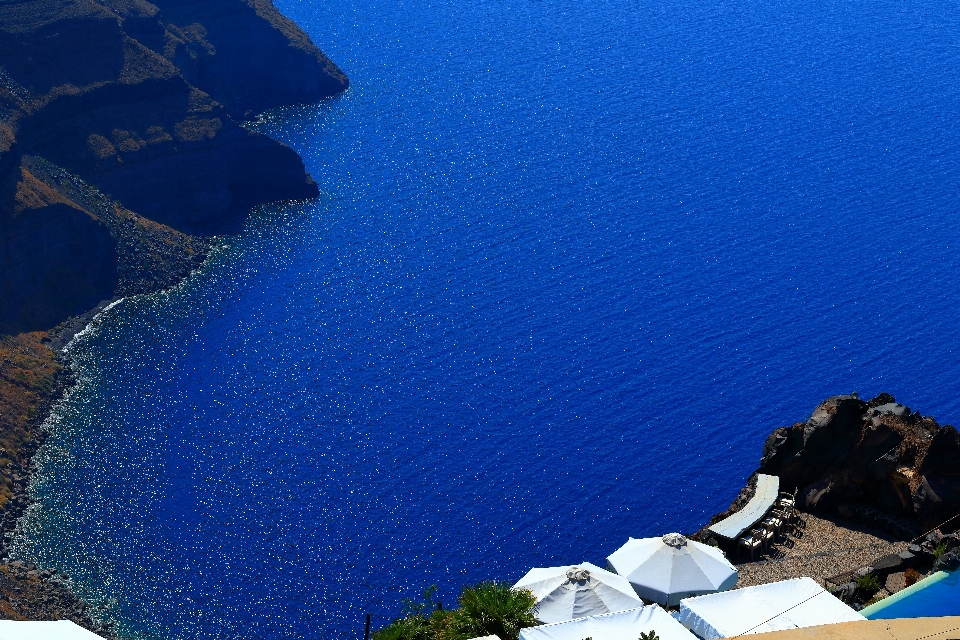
(936, 595)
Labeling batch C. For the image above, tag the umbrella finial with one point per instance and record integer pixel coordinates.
(576, 574)
(674, 540)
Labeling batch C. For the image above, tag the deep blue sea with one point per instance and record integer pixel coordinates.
(571, 263)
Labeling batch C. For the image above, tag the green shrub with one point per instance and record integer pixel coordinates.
(868, 582)
(409, 628)
(493, 608)
(489, 608)
(649, 635)
(939, 551)
(420, 621)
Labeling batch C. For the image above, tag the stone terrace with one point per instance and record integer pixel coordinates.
(820, 548)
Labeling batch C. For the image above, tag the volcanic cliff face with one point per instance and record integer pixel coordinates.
(877, 463)
(119, 141)
(859, 457)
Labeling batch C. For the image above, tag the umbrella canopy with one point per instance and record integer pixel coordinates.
(44, 630)
(577, 591)
(668, 569)
(623, 625)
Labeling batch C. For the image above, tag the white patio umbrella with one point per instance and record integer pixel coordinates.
(577, 591)
(44, 630)
(623, 625)
(668, 569)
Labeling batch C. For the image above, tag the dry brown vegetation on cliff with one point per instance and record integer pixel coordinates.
(28, 371)
(30, 594)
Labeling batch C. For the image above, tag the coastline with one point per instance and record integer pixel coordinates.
(79, 326)
(808, 554)
(116, 182)
(59, 337)
(820, 549)
(58, 600)
(26, 592)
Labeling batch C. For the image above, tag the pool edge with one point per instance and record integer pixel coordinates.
(876, 607)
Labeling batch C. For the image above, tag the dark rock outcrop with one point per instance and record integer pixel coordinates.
(947, 562)
(876, 457)
(876, 463)
(57, 259)
(254, 58)
(168, 152)
(802, 453)
(137, 101)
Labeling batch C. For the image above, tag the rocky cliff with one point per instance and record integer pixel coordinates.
(120, 145)
(877, 453)
(121, 152)
(877, 462)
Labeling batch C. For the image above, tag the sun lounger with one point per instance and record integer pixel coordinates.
(764, 497)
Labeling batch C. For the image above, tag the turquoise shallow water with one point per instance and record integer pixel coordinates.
(571, 263)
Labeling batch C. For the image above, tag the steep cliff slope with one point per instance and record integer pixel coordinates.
(877, 453)
(137, 102)
(120, 152)
(875, 462)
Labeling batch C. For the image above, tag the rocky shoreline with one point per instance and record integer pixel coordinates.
(32, 380)
(39, 374)
(840, 440)
(122, 155)
(35, 374)
(852, 456)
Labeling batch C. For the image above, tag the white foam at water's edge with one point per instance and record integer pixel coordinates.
(91, 325)
(216, 252)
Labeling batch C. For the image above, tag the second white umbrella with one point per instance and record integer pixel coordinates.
(577, 591)
(668, 569)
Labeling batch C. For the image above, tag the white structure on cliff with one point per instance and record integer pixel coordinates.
(44, 630)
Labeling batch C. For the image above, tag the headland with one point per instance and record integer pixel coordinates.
(877, 487)
(122, 154)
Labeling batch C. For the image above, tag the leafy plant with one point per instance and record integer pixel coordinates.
(493, 608)
(421, 620)
(413, 608)
(868, 582)
(411, 628)
(939, 551)
(489, 608)
(649, 635)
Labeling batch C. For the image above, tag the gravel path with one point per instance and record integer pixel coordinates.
(820, 548)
